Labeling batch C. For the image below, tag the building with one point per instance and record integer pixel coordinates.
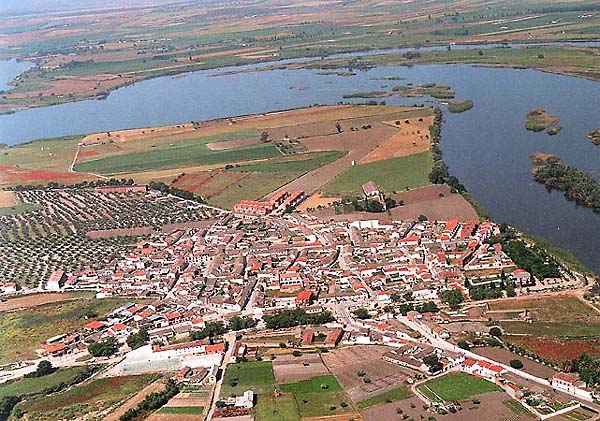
(572, 384)
(56, 280)
(372, 192)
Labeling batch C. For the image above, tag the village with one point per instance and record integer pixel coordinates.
(265, 277)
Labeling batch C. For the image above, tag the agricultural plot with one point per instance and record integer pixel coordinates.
(89, 398)
(456, 387)
(288, 368)
(561, 328)
(312, 397)
(75, 69)
(318, 396)
(38, 385)
(362, 372)
(21, 332)
(53, 233)
(391, 175)
(257, 376)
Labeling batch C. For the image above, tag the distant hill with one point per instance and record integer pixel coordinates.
(20, 7)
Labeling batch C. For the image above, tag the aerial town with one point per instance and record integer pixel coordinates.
(267, 282)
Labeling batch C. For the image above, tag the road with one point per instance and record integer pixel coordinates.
(436, 341)
(230, 338)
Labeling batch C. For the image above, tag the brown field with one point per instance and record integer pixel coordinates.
(208, 183)
(131, 135)
(410, 139)
(557, 350)
(316, 200)
(563, 308)
(288, 368)
(441, 209)
(232, 144)
(490, 408)
(135, 400)
(504, 356)
(7, 199)
(34, 300)
(344, 364)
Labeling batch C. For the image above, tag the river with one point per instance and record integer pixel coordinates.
(487, 147)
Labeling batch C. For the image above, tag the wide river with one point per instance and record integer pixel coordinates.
(487, 147)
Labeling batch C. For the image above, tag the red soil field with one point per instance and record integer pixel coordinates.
(88, 153)
(9, 174)
(559, 351)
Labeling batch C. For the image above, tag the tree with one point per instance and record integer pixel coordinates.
(44, 368)
(431, 360)
(103, 349)
(338, 127)
(240, 323)
(374, 206)
(464, 345)
(6, 405)
(422, 218)
(496, 331)
(361, 313)
(264, 137)
(516, 364)
(453, 298)
(210, 330)
(137, 340)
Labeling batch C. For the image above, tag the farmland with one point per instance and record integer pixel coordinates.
(396, 394)
(346, 364)
(21, 332)
(311, 397)
(226, 160)
(38, 385)
(90, 397)
(257, 376)
(456, 387)
(391, 175)
(88, 58)
(58, 231)
(561, 328)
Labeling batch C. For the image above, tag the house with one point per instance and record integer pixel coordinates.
(245, 401)
(304, 298)
(572, 384)
(522, 277)
(372, 192)
(56, 280)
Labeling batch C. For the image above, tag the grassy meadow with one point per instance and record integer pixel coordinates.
(394, 174)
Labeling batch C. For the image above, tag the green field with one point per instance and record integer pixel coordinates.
(32, 386)
(554, 329)
(21, 332)
(177, 157)
(281, 408)
(300, 163)
(456, 387)
(181, 410)
(397, 394)
(257, 376)
(394, 174)
(91, 396)
(318, 396)
(314, 384)
(20, 208)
